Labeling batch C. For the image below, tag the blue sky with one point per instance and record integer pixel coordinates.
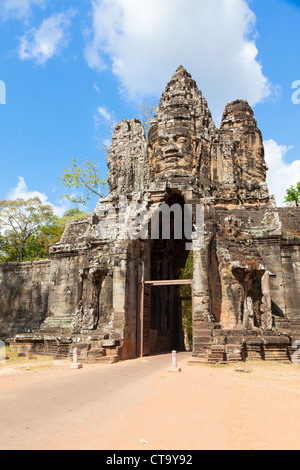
(68, 66)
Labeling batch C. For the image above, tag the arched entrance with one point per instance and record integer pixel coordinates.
(160, 327)
(151, 340)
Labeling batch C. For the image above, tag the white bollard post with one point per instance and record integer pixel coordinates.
(75, 355)
(174, 367)
(174, 359)
(75, 364)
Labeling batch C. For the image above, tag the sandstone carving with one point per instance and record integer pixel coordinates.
(108, 286)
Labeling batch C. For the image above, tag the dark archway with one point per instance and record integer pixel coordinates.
(168, 257)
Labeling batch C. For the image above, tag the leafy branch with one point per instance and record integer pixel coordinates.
(293, 195)
(85, 178)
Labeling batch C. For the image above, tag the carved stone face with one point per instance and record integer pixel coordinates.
(114, 166)
(172, 150)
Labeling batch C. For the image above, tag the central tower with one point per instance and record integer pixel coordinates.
(182, 119)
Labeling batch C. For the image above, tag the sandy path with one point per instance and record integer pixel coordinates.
(115, 407)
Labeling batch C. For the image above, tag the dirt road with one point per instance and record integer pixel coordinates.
(139, 405)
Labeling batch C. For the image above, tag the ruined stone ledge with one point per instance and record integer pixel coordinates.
(91, 349)
(276, 340)
(25, 264)
(254, 341)
(291, 241)
(110, 343)
(25, 338)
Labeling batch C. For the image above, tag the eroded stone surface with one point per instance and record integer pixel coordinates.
(246, 289)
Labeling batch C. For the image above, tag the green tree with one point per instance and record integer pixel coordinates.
(147, 113)
(293, 195)
(21, 222)
(187, 305)
(25, 239)
(52, 233)
(85, 178)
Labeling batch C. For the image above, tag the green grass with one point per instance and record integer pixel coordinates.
(12, 358)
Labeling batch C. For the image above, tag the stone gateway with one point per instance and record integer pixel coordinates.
(116, 297)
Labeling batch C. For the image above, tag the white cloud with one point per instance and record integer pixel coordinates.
(49, 39)
(281, 175)
(96, 88)
(21, 191)
(103, 111)
(145, 41)
(107, 119)
(18, 9)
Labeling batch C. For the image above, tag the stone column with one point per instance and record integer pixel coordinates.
(266, 306)
(119, 294)
(201, 282)
(201, 300)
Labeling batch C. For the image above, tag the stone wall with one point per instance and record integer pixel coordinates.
(24, 294)
(246, 273)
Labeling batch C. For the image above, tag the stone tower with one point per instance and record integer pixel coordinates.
(111, 286)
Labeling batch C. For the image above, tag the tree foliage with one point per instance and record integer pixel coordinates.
(28, 229)
(185, 291)
(147, 111)
(20, 223)
(52, 233)
(293, 195)
(85, 178)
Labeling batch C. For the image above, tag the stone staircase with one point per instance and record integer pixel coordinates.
(203, 342)
(94, 348)
(217, 346)
(277, 349)
(90, 349)
(56, 325)
(295, 330)
(289, 328)
(63, 348)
